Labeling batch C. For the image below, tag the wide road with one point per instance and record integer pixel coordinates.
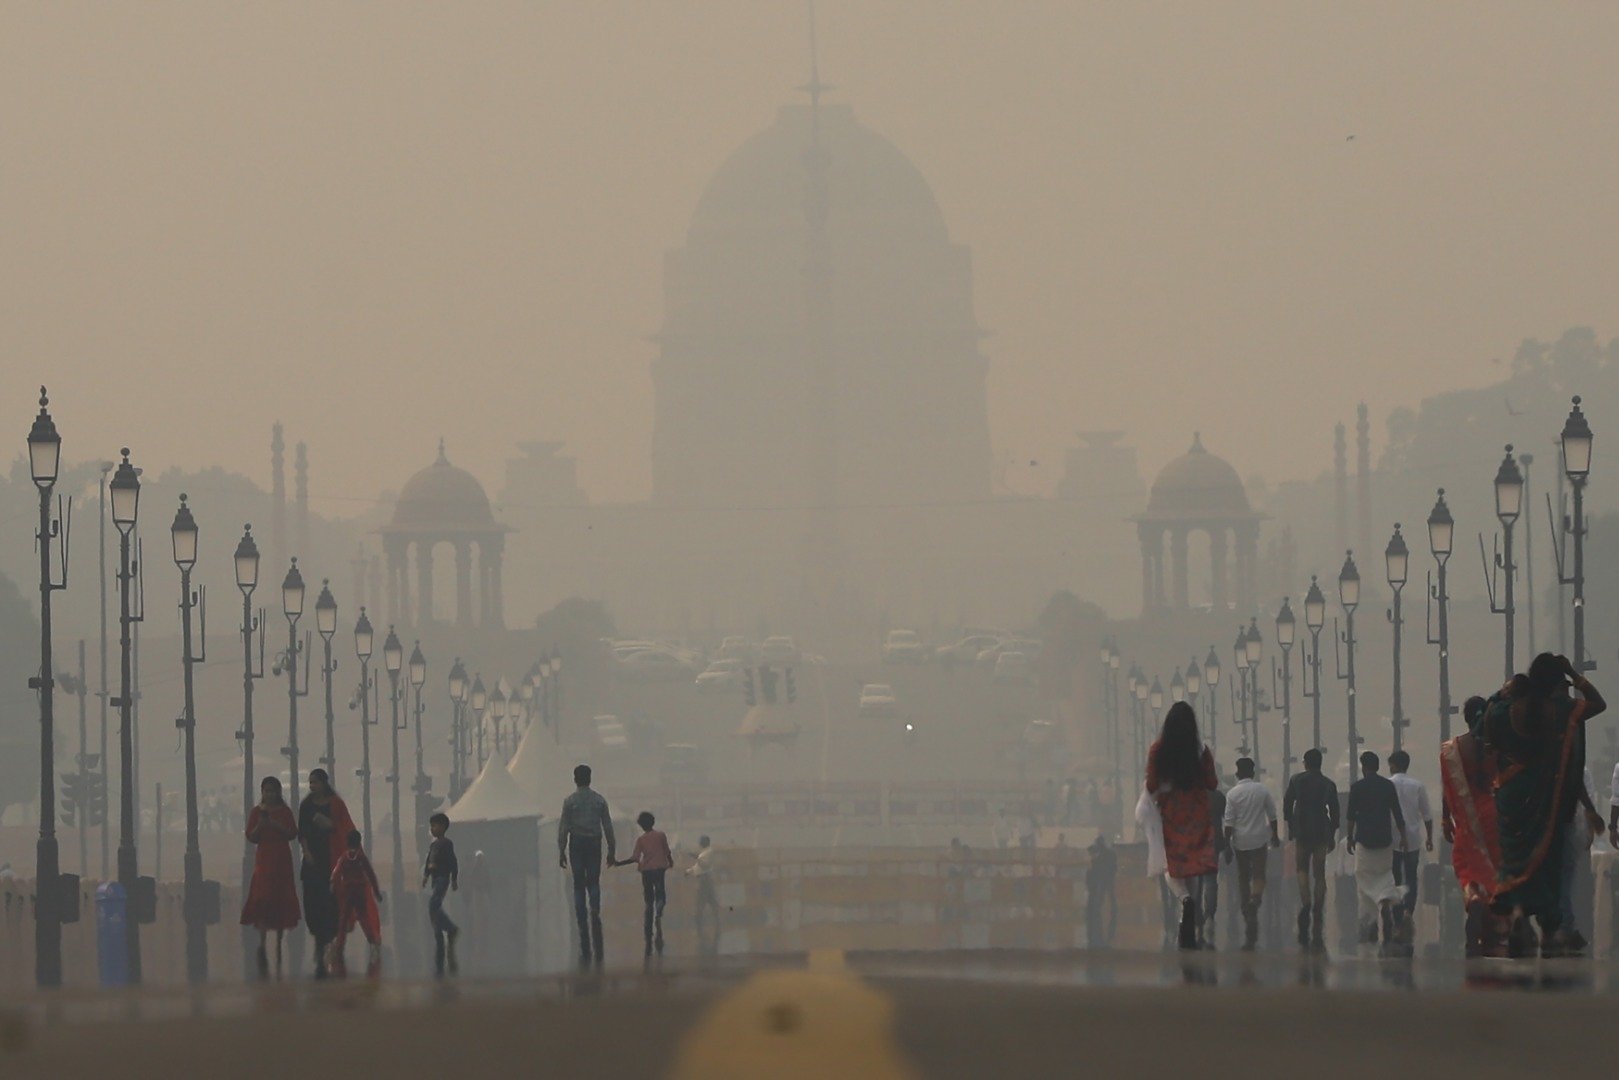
(989, 1014)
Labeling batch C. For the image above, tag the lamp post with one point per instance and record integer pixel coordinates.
(1397, 563)
(497, 713)
(1576, 444)
(1349, 597)
(480, 701)
(247, 579)
(125, 492)
(1253, 647)
(1155, 698)
(292, 606)
(44, 463)
(1441, 540)
(326, 627)
(1132, 683)
(1315, 617)
(1211, 679)
(393, 659)
(1286, 634)
(555, 666)
(1177, 686)
(418, 679)
(363, 639)
(1239, 689)
(1508, 505)
(458, 700)
(183, 534)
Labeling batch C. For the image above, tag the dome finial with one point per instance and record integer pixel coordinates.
(442, 459)
(1197, 443)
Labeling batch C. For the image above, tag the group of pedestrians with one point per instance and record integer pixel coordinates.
(1517, 812)
(340, 887)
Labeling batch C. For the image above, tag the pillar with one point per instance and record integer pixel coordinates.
(463, 583)
(424, 581)
(1247, 564)
(1149, 567)
(497, 605)
(1177, 555)
(396, 554)
(1218, 563)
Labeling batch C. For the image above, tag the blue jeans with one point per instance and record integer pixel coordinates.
(435, 907)
(585, 860)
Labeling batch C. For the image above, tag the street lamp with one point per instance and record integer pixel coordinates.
(1397, 563)
(125, 494)
(393, 659)
(44, 461)
(1177, 687)
(1508, 505)
(1253, 647)
(1211, 679)
(363, 638)
(497, 713)
(555, 665)
(292, 606)
(458, 699)
(1349, 597)
(183, 535)
(480, 701)
(418, 679)
(326, 627)
(1239, 689)
(1576, 442)
(1441, 538)
(1286, 634)
(247, 579)
(1315, 617)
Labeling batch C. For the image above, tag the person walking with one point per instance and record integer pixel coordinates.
(1467, 815)
(321, 816)
(1250, 831)
(1374, 821)
(1180, 775)
(272, 896)
(1101, 897)
(651, 855)
(355, 886)
(1310, 808)
(1414, 839)
(584, 824)
(702, 869)
(444, 872)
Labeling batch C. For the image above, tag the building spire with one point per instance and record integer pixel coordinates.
(815, 87)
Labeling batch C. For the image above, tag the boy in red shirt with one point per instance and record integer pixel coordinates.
(653, 858)
(353, 885)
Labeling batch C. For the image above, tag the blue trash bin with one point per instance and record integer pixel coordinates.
(112, 948)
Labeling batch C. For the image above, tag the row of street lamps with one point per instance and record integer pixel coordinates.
(1247, 698)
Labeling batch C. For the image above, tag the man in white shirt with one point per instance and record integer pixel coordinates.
(1410, 844)
(1250, 829)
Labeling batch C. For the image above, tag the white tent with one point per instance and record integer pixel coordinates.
(494, 796)
(538, 769)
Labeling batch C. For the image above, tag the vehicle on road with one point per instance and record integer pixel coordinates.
(734, 648)
(653, 665)
(904, 647)
(721, 676)
(1012, 668)
(877, 700)
(778, 650)
(1029, 647)
(966, 650)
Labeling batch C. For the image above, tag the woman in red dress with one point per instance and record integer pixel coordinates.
(1180, 775)
(272, 898)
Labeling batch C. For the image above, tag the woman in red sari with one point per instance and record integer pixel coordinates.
(1180, 775)
(1467, 769)
(272, 897)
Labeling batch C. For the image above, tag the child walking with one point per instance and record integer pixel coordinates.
(653, 858)
(354, 884)
(442, 870)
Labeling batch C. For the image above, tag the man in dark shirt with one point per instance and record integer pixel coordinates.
(1374, 819)
(584, 824)
(1310, 808)
(1101, 901)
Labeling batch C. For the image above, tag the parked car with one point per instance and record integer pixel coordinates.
(966, 650)
(877, 700)
(1012, 667)
(652, 665)
(904, 647)
(734, 648)
(779, 650)
(1027, 646)
(721, 676)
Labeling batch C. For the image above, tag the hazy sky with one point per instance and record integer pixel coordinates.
(382, 222)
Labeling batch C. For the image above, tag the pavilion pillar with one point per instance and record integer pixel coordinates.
(1178, 569)
(1218, 561)
(463, 583)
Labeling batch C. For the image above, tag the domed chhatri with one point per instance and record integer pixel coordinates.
(443, 504)
(1198, 491)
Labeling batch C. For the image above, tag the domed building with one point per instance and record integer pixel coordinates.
(444, 504)
(819, 328)
(1198, 492)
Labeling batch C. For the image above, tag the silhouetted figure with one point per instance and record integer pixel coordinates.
(584, 824)
(1310, 808)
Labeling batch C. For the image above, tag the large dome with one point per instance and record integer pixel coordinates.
(760, 188)
(1198, 484)
(442, 496)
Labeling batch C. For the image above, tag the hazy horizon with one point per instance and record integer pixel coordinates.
(225, 216)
